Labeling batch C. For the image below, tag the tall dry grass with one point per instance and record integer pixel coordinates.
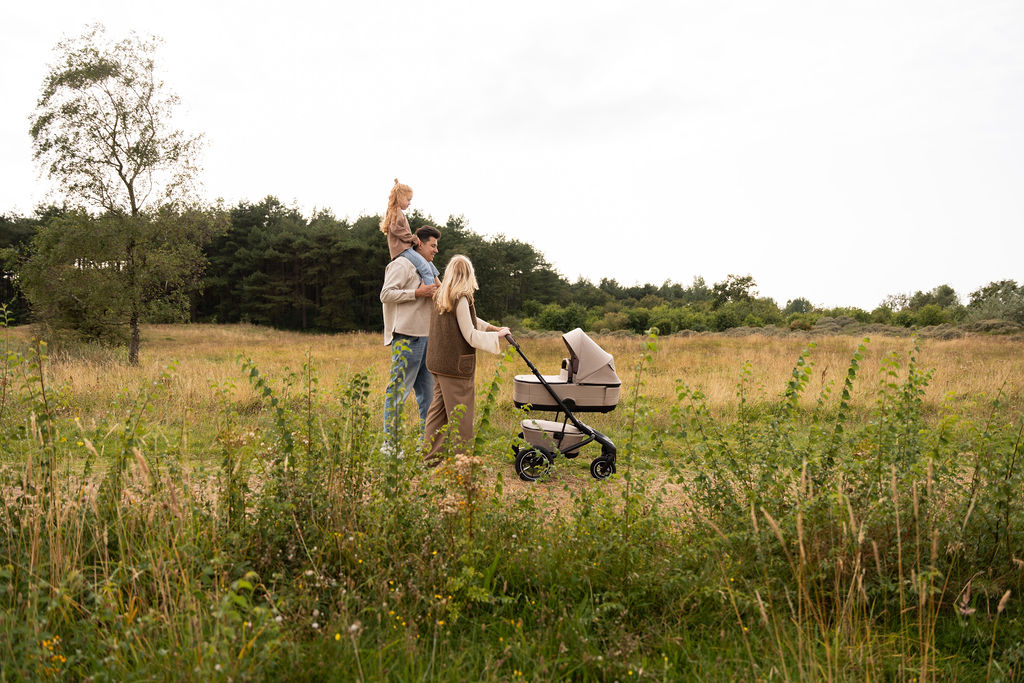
(967, 370)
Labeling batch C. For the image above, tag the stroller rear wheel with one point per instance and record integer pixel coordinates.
(602, 468)
(531, 464)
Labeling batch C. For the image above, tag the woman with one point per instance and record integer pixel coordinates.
(455, 334)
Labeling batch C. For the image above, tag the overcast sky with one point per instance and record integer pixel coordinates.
(835, 150)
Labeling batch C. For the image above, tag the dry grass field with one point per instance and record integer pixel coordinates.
(967, 371)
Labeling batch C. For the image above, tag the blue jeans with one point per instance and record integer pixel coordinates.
(408, 372)
(426, 269)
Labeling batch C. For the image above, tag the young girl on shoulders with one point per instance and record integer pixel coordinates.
(401, 241)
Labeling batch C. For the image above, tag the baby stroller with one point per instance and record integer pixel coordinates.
(587, 383)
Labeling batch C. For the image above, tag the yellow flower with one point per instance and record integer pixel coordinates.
(337, 636)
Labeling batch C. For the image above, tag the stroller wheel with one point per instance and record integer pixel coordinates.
(531, 464)
(601, 468)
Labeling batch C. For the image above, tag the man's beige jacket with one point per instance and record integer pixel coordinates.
(403, 312)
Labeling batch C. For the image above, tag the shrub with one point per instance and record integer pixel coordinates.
(639, 319)
(802, 321)
(931, 314)
(555, 317)
(881, 315)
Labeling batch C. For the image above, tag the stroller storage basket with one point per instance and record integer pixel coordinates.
(552, 435)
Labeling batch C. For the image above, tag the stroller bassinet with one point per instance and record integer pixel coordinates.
(587, 382)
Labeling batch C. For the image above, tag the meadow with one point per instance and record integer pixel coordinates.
(785, 508)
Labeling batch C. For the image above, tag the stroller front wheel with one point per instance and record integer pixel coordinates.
(602, 468)
(531, 464)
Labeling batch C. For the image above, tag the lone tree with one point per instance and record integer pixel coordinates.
(102, 132)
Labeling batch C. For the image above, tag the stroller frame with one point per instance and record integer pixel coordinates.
(533, 460)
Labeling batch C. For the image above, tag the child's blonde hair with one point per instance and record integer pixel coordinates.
(459, 281)
(398, 192)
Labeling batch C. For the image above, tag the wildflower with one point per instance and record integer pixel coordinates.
(316, 626)
(356, 628)
(337, 636)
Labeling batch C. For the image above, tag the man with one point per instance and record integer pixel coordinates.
(406, 301)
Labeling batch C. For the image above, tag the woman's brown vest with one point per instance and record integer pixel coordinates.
(448, 352)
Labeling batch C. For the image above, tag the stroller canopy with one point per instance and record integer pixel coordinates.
(590, 363)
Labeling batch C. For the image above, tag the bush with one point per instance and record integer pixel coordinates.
(725, 317)
(931, 314)
(555, 317)
(858, 314)
(802, 321)
(881, 315)
(903, 318)
(639, 319)
(1002, 300)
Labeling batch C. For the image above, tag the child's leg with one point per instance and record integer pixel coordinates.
(423, 267)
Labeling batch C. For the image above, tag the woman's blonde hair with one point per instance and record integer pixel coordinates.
(459, 281)
(398, 192)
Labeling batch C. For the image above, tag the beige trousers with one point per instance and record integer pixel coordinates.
(448, 393)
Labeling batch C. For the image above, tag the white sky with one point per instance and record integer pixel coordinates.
(839, 150)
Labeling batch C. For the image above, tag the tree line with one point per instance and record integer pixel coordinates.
(267, 264)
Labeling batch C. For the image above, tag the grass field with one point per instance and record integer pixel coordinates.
(967, 370)
(842, 512)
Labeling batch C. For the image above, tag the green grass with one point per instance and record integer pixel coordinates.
(262, 535)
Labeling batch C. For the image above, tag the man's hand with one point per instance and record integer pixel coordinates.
(502, 331)
(425, 291)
